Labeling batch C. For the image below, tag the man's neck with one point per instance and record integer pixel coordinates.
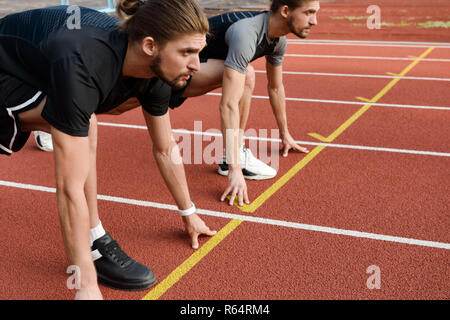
(135, 64)
(277, 26)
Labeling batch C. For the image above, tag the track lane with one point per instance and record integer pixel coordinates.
(109, 151)
(268, 263)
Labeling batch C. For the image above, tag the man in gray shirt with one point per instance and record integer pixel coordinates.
(238, 38)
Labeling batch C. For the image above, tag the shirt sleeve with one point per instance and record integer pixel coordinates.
(71, 97)
(276, 58)
(241, 48)
(155, 97)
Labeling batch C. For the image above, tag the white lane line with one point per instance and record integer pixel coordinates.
(405, 44)
(368, 45)
(332, 145)
(362, 57)
(272, 222)
(388, 105)
(357, 75)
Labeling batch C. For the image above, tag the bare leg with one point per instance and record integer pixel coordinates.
(207, 79)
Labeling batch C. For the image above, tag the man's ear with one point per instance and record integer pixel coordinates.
(149, 46)
(284, 12)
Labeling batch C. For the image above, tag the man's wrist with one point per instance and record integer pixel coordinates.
(188, 212)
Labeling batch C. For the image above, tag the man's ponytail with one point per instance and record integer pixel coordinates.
(127, 8)
(164, 20)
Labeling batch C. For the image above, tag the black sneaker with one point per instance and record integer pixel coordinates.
(223, 170)
(117, 270)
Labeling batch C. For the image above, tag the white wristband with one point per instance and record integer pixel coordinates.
(188, 212)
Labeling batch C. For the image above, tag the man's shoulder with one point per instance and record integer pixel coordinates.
(255, 20)
(244, 30)
(86, 42)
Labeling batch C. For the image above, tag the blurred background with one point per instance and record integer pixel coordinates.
(401, 20)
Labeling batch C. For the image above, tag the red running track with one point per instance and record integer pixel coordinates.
(379, 190)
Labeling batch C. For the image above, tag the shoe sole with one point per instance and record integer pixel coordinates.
(110, 283)
(255, 177)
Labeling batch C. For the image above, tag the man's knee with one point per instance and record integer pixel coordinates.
(250, 77)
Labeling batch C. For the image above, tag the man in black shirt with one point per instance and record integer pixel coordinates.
(56, 78)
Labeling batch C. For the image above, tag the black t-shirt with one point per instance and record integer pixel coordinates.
(79, 69)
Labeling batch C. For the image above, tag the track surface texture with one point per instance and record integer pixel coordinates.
(372, 106)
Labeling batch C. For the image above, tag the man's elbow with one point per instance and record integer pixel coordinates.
(168, 152)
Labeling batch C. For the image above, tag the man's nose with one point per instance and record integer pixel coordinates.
(194, 63)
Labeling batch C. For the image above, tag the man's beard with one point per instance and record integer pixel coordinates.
(177, 83)
(297, 33)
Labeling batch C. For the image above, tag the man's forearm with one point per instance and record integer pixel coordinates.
(71, 172)
(171, 167)
(232, 91)
(75, 225)
(277, 100)
(229, 113)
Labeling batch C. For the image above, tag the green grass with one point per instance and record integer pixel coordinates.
(434, 24)
(426, 24)
(350, 18)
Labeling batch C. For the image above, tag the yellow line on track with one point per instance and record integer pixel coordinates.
(187, 265)
(197, 256)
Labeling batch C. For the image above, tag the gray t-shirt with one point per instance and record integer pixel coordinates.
(239, 37)
(248, 40)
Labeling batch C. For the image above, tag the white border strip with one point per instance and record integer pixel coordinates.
(357, 75)
(362, 57)
(272, 222)
(361, 103)
(332, 145)
(365, 42)
(369, 45)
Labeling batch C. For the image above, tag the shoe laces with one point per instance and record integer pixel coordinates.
(114, 251)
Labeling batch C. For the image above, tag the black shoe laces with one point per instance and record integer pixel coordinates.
(114, 251)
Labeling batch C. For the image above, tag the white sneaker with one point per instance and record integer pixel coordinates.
(252, 168)
(43, 140)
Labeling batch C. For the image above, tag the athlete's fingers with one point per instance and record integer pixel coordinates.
(301, 149)
(233, 196)
(241, 198)
(210, 232)
(194, 240)
(247, 201)
(227, 191)
(286, 150)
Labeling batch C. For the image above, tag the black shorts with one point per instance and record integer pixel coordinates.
(15, 97)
